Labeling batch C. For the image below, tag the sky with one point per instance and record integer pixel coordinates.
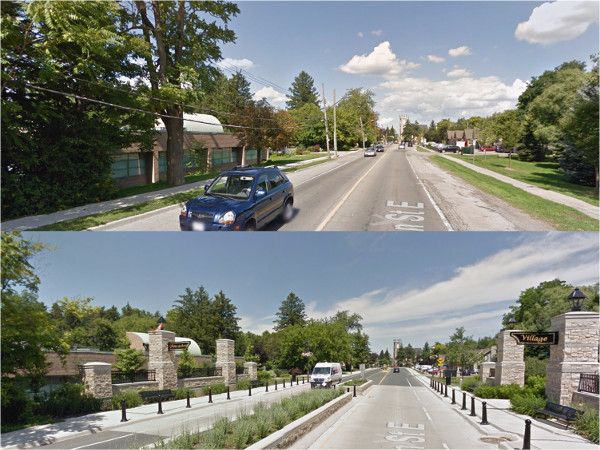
(428, 60)
(416, 287)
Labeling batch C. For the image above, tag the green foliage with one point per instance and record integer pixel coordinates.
(302, 91)
(526, 403)
(216, 388)
(132, 399)
(535, 367)
(264, 375)
(67, 400)
(186, 364)
(536, 385)
(469, 384)
(129, 360)
(242, 384)
(291, 312)
(587, 424)
(357, 382)
(503, 391)
(181, 393)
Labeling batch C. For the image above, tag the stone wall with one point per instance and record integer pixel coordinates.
(487, 371)
(97, 379)
(226, 359)
(510, 367)
(162, 359)
(576, 353)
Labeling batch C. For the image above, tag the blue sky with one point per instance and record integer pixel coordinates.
(430, 60)
(416, 287)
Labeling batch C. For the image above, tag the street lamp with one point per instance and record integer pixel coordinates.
(576, 299)
(511, 323)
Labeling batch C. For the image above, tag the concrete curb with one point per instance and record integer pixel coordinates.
(289, 434)
(360, 388)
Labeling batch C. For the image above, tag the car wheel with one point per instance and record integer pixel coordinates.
(250, 226)
(288, 212)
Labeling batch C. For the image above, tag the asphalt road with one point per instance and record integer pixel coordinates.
(398, 412)
(353, 193)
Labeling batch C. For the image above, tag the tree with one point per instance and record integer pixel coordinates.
(310, 126)
(291, 312)
(129, 360)
(180, 43)
(255, 125)
(186, 364)
(26, 326)
(303, 92)
(461, 350)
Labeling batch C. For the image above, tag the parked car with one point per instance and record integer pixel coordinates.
(396, 369)
(326, 374)
(487, 149)
(243, 198)
(401, 145)
(370, 151)
(379, 148)
(448, 148)
(501, 149)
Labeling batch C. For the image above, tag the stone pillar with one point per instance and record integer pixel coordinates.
(252, 369)
(226, 359)
(487, 370)
(576, 353)
(97, 379)
(161, 359)
(510, 367)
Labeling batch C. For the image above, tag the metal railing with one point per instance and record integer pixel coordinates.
(588, 382)
(119, 377)
(200, 372)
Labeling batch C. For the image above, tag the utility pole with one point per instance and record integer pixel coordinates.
(334, 127)
(326, 127)
(362, 131)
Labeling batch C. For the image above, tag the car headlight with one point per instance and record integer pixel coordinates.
(228, 218)
(184, 210)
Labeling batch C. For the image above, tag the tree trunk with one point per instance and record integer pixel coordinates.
(175, 176)
(244, 155)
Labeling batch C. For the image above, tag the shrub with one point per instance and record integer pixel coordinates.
(469, 384)
(263, 375)
(181, 393)
(527, 403)
(503, 391)
(216, 388)
(243, 432)
(132, 399)
(68, 400)
(536, 385)
(242, 385)
(277, 372)
(587, 424)
(16, 404)
(535, 366)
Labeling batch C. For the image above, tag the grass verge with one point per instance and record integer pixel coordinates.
(561, 217)
(250, 427)
(545, 174)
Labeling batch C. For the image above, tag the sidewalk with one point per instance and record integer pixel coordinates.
(508, 428)
(579, 205)
(31, 222)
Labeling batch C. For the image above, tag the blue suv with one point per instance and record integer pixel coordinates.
(243, 198)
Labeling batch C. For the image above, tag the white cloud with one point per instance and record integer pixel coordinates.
(435, 59)
(458, 73)
(237, 64)
(381, 61)
(360, 34)
(450, 97)
(272, 96)
(377, 32)
(459, 51)
(558, 21)
(386, 121)
(478, 291)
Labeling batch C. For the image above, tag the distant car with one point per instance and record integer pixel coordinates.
(370, 151)
(487, 149)
(501, 149)
(379, 148)
(448, 148)
(401, 146)
(243, 198)
(396, 369)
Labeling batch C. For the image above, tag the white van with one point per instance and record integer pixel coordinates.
(326, 374)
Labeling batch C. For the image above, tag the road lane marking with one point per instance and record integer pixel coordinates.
(437, 208)
(103, 442)
(427, 414)
(324, 173)
(339, 205)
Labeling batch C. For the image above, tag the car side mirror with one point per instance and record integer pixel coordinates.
(206, 186)
(260, 193)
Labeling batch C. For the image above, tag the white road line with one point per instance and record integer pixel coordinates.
(445, 446)
(103, 442)
(321, 174)
(439, 211)
(343, 200)
(427, 414)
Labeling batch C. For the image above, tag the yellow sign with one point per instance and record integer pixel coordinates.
(440, 361)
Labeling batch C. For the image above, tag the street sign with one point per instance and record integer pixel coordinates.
(178, 345)
(307, 354)
(524, 338)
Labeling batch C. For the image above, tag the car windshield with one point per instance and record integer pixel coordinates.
(321, 371)
(232, 185)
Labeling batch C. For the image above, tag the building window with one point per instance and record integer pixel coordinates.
(128, 165)
(162, 162)
(222, 156)
(251, 155)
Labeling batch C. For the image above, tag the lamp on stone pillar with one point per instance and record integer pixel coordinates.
(576, 299)
(160, 323)
(511, 323)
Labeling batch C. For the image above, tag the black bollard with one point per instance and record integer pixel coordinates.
(472, 407)
(445, 390)
(484, 420)
(464, 405)
(267, 386)
(210, 395)
(228, 397)
(303, 380)
(160, 411)
(188, 400)
(453, 398)
(284, 383)
(297, 381)
(354, 391)
(123, 411)
(527, 437)
(275, 384)
(249, 390)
